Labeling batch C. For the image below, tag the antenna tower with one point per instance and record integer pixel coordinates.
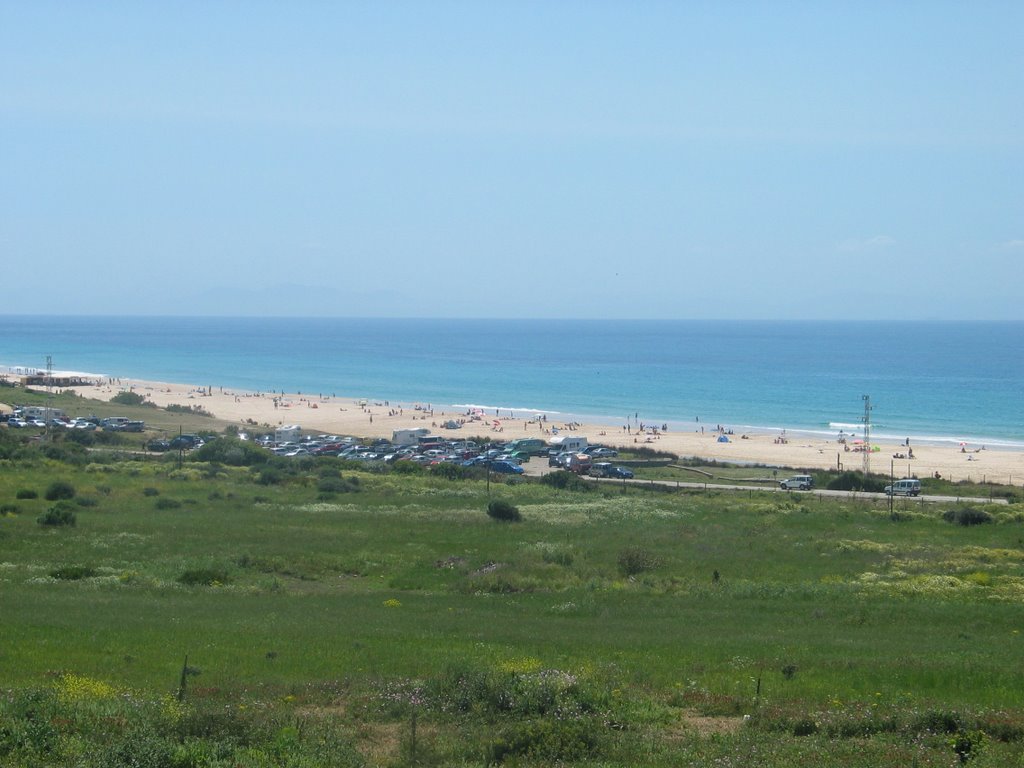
(867, 434)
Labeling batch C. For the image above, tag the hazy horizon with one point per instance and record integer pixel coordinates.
(763, 161)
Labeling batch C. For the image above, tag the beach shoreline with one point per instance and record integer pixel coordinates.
(322, 413)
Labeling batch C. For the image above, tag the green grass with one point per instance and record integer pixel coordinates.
(846, 619)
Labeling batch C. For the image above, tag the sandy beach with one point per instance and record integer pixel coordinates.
(327, 413)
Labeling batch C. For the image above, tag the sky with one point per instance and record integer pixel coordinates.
(705, 160)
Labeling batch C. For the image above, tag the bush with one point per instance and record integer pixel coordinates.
(634, 560)
(166, 503)
(26, 493)
(967, 516)
(270, 476)
(503, 511)
(565, 480)
(192, 410)
(60, 489)
(80, 437)
(86, 501)
(61, 513)
(855, 481)
(338, 484)
(73, 572)
(407, 468)
(149, 491)
(805, 726)
(204, 577)
(550, 741)
(451, 471)
(233, 452)
(9, 509)
(128, 398)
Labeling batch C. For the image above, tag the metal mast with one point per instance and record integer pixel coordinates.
(867, 434)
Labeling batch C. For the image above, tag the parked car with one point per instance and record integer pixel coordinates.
(186, 441)
(905, 487)
(600, 452)
(158, 446)
(558, 459)
(506, 468)
(607, 469)
(16, 423)
(797, 483)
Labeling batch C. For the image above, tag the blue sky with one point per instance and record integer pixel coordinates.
(513, 159)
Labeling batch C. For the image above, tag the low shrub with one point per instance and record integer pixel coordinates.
(634, 560)
(407, 468)
(73, 572)
(166, 503)
(129, 398)
(805, 726)
(86, 501)
(557, 556)
(9, 509)
(60, 489)
(233, 452)
(967, 516)
(855, 481)
(549, 741)
(451, 471)
(503, 511)
(148, 491)
(270, 476)
(60, 514)
(194, 410)
(338, 485)
(204, 577)
(937, 721)
(27, 493)
(565, 480)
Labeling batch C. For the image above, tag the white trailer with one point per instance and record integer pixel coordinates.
(287, 433)
(409, 436)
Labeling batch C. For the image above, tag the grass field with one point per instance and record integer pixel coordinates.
(330, 614)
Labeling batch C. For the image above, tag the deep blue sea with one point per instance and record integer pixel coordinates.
(927, 381)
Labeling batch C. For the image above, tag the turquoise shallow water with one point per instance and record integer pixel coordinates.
(928, 381)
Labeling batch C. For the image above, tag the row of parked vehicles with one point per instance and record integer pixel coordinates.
(20, 420)
(503, 458)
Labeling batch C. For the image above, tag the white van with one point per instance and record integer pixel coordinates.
(574, 443)
(904, 487)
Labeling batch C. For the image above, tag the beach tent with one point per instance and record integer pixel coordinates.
(723, 439)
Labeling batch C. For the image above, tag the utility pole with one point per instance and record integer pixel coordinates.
(48, 411)
(892, 483)
(866, 418)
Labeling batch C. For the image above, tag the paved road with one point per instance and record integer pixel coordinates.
(538, 467)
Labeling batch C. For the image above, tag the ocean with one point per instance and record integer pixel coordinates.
(929, 381)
